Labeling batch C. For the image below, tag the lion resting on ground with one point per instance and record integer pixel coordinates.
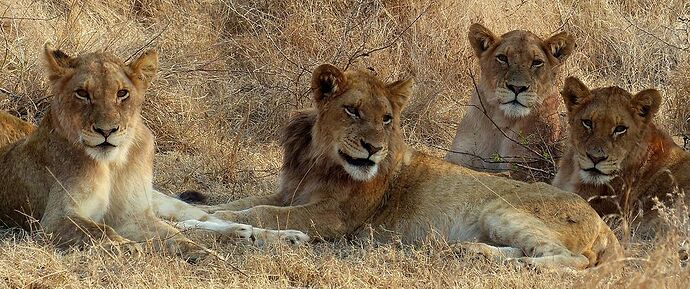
(85, 173)
(618, 159)
(346, 166)
(512, 117)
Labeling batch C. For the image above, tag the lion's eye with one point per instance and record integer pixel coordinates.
(387, 119)
(502, 59)
(537, 63)
(352, 112)
(81, 94)
(619, 130)
(587, 124)
(122, 94)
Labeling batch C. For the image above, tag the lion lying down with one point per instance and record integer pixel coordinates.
(85, 173)
(345, 166)
(618, 158)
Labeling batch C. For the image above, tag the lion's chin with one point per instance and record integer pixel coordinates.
(515, 110)
(102, 154)
(595, 178)
(360, 169)
(106, 152)
(361, 173)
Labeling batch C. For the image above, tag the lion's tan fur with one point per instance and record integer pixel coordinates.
(641, 164)
(412, 196)
(12, 128)
(491, 135)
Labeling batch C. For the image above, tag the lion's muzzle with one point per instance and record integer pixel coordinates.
(597, 169)
(361, 158)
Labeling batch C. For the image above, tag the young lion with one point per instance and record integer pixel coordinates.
(618, 159)
(85, 173)
(346, 166)
(512, 117)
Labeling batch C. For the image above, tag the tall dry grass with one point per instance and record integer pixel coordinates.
(231, 72)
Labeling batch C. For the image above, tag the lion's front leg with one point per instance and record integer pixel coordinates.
(188, 216)
(321, 219)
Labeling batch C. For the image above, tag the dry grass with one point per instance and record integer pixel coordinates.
(231, 72)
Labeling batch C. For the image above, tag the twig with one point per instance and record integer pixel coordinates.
(13, 95)
(655, 36)
(148, 43)
(369, 52)
(30, 18)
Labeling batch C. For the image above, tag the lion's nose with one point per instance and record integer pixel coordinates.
(105, 132)
(597, 159)
(370, 148)
(517, 89)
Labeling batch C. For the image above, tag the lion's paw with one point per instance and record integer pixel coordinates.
(290, 237)
(124, 247)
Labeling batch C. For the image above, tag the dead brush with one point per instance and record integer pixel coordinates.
(232, 71)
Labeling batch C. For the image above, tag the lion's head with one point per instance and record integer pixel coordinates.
(518, 68)
(358, 122)
(606, 127)
(97, 99)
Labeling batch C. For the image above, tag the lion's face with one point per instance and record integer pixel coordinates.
(97, 99)
(358, 118)
(606, 125)
(518, 68)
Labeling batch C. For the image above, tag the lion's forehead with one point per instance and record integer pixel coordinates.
(608, 109)
(521, 44)
(102, 76)
(369, 99)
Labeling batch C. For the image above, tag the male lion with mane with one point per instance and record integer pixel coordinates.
(346, 166)
(512, 117)
(618, 158)
(86, 172)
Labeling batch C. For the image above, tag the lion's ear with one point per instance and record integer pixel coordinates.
(575, 93)
(145, 66)
(481, 38)
(58, 62)
(646, 103)
(560, 46)
(326, 81)
(401, 91)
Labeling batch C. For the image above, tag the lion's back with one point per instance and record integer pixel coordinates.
(12, 129)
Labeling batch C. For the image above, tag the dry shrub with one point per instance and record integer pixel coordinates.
(233, 70)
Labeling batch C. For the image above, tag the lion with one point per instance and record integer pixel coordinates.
(512, 117)
(84, 175)
(617, 157)
(12, 128)
(346, 169)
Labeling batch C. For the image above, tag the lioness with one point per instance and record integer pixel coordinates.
(85, 173)
(346, 166)
(512, 117)
(617, 158)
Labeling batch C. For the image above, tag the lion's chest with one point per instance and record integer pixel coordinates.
(96, 199)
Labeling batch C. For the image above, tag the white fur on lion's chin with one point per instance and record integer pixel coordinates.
(116, 154)
(361, 173)
(589, 178)
(514, 110)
